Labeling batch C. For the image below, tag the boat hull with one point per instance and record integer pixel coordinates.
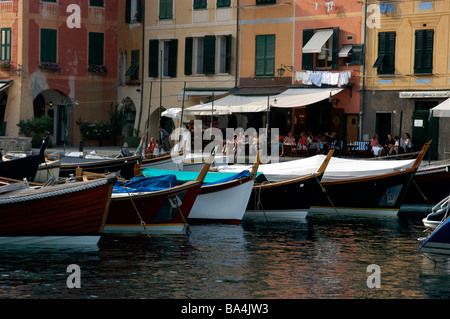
(164, 162)
(438, 243)
(64, 210)
(222, 203)
(433, 183)
(128, 211)
(288, 199)
(125, 165)
(379, 195)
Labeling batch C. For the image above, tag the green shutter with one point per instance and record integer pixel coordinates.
(209, 55)
(259, 55)
(423, 59)
(173, 57)
(48, 45)
(5, 41)
(199, 4)
(385, 62)
(128, 11)
(357, 54)
(165, 9)
(228, 62)
(96, 48)
(153, 58)
(335, 51)
(223, 3)
(270, 56)
(189, 44)
(96, 3)
(307, 58)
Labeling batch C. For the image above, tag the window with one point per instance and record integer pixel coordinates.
(5, 41)
(199, 4)
(165, 9)
(265, 1)
(201, 52)
(223, 3)
(133, 10)
(385, 63)
(96, 3)
(224, 54)
(48, 45)
(96, 48)
(169, 54)
(423, 59)
(133, 71)
(265, 55)
(320, 48)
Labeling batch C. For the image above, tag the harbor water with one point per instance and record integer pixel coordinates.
(321, 257)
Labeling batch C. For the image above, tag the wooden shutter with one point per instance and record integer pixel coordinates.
(259, 55)
(228, 62)
(335, 51)
(390, 52)
(153, 58)
(48, 45)
(173, 57)
(307, 58)
(128, 11)
(96, 48)
(189, 45)
(357, 54)
(270, 56)
(209, 55)
(423, 59)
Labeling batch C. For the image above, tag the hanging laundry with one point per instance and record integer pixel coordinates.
(316, 79)
(317, 6)
(343, 78)
(298, 76)
(326, 77)
(334, 78)
(305, 78)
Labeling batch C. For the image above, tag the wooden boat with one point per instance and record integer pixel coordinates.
(156, 211)
(168, 162)
(222, 197)
(69, 213)
(290, 198)
(438, 242)
(25, 167)
(124, 165)
(381, 194)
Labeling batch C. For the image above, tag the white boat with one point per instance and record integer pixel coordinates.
(47, 170)
(438, 215)
(222, 198)
(338, 168)
(194, 162)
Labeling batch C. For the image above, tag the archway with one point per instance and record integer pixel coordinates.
(58, 106)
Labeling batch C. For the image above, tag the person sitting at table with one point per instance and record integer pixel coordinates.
(390, 142)
(394, 148)
(288, 141)
(376, 147)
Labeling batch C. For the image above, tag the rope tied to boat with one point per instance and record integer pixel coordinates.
(258, 202)
(144, 225)
(175, 202)
(326, 194)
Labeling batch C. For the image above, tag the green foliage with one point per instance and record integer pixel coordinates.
(96, 131)
(37, 128)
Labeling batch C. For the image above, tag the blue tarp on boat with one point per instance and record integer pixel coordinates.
(146, 184)
(211, 178)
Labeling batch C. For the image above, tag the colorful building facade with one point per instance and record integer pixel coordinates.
(64, 63)
(407, 71)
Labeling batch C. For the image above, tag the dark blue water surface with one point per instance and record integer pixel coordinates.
(322, 257)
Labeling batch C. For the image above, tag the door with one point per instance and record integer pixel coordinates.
(352, 127)
(383, 126)
(425, 129)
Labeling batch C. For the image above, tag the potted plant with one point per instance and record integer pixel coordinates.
(5, 65)
(97, 69)
(50, 67)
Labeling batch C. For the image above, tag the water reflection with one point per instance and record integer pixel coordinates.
(320, 257)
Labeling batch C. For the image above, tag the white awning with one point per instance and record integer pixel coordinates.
(290, 98)
(302, 97)
(317, 41)
(345, 51)
(175, 113)
(442, 110)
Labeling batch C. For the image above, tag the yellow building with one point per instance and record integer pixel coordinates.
(407, 70)
(188, 44)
